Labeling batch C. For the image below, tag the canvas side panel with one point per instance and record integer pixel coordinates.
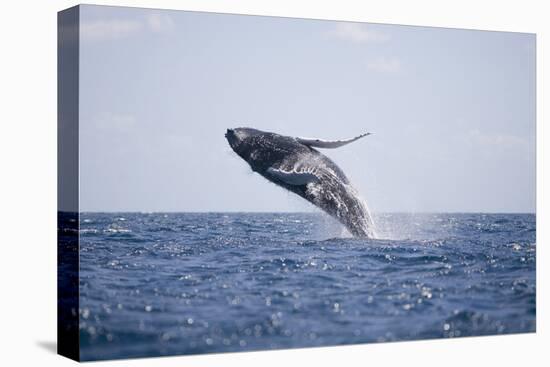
(67, 183)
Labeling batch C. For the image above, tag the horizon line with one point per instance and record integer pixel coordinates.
(286, 212)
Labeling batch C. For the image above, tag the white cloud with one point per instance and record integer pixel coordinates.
(360, 33)
(106, 29)
(502, 140)
(158, 22)
(385, 65)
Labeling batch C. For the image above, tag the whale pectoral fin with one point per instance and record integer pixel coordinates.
(329, 144)
(293, 178)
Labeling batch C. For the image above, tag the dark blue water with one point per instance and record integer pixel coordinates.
(162, 284)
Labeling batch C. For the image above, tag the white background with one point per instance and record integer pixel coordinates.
(28, 182)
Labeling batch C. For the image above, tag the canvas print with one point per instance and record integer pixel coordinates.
(232, 183)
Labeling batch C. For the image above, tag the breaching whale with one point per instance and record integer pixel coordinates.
(295, 164)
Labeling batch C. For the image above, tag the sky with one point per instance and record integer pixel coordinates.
(452, 111)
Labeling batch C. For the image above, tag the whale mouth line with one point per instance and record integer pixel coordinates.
(232, 138)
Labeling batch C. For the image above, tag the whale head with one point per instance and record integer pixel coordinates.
(259, 148)
(241, 139)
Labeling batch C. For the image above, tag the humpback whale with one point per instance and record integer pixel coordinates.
(294, 164)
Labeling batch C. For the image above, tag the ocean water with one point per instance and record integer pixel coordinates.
(186, 283)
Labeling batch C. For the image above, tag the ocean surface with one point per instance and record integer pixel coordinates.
(186, 283)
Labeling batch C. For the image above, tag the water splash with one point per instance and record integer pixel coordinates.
(342, 201)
